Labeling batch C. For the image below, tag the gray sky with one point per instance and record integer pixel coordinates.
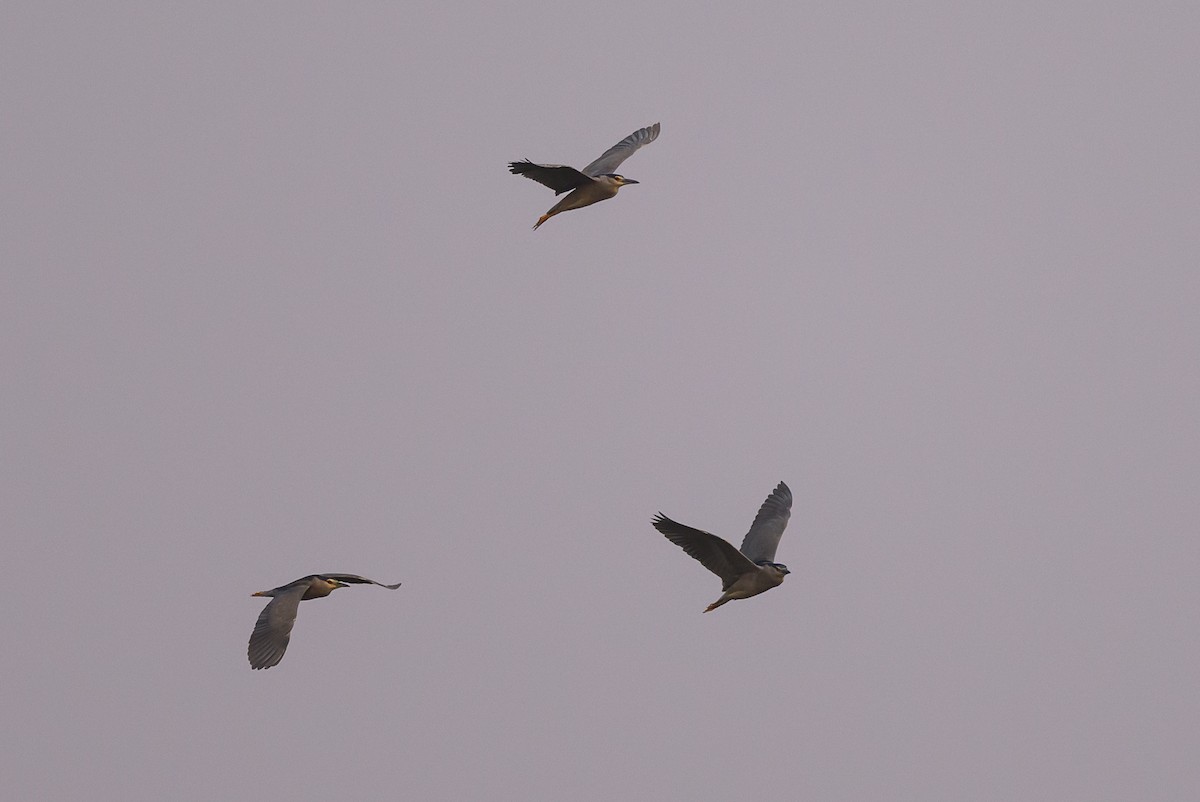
(271, 305)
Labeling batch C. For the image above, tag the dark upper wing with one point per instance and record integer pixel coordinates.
(355, 579)
(612, 158)
(273, 629)
(716, 554)
(763, 538)
(559, 177)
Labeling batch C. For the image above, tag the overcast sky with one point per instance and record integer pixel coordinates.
(270, 304)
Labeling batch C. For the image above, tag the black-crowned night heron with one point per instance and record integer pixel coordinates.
(744, 573)
(593, 183)
(273, 629)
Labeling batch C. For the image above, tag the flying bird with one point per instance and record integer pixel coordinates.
(593, 183)
(273, 629)
(747, 572)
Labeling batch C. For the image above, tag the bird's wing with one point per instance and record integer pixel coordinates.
(763, 538)
(612, 158)
(559, 177)
(714, 553)
(355, 579)
(273, 629)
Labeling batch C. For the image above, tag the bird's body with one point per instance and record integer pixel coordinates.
(600, 188)
(273, 629)
(750, 584)
(593, 183)
(746, 572)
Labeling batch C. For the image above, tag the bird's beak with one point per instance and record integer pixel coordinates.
(337, 584)
(260, 593)
(631, 181)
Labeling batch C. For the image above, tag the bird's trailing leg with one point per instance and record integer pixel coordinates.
(718, 603)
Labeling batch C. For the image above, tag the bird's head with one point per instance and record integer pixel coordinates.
(776, 568)
(619, 180)
(321, 586)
